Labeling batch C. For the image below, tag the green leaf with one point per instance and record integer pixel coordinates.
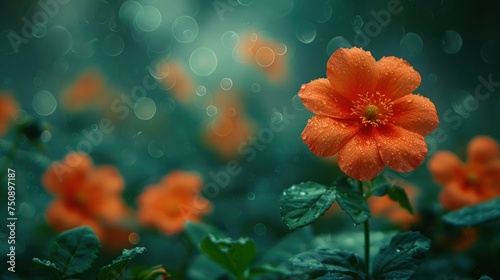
(398, 194)
(117, 267)
(233, 255)
(335, 276)
(302, 204)
(476, 214)
(37, 264)
(196, 232)
(379, 186)
(74, 250)
(401, 258)
(351, 200)
(323, 260)
(153, 273)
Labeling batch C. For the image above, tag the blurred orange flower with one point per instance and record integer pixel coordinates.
(467, 184)
(230, 128)
(366, 112)
(86, 90)
(173, 76)
(173, 201)
(266, 54)
(8, 109)
(85, 195)
(384, 207)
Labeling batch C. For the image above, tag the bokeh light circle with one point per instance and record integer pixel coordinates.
(336, 43)
(305, 32)
(113, 45)
(185, 29)
(411, 44)
(44, 103)
(226, 84)
(203, 61)
(148, 18)
(145, 108)
(230, 39)
(490, 52)
(451, 42)
(265, 56)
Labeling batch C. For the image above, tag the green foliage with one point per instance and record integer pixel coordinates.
(401, 258)
(153, 273)
(351, 200)
(381, 187)
(196, 232)
(233, 255)
(117, 267)
(302, 204)
(73, 252)
(327, 262)
(475, 215)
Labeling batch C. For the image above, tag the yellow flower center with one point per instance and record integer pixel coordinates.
(372, 108)
(472, 178)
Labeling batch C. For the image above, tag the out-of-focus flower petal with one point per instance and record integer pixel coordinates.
(482, 149)
(445, 166)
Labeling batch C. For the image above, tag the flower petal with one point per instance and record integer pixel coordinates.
(455, 196)
(445, 166)
(415, 113)
(318, 97)
(72, 171)
(397, 77)
(400, 149)
(351, 72)
(359, 158)
(326, 136)
(482, 149)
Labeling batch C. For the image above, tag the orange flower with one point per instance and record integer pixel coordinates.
(85, 196)
(366, 112)
(173, 76)
(385, 207)
(230, 128)
(8, 109)
(266, 54)
(87, 89)
(467, 184)
(173, 201)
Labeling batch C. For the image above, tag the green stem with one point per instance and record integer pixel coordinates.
(367, 248)
(366, 226)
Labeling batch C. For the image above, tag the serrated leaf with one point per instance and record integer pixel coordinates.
(74, 250)
(401, 258)
(335, 276)
(476, 214)
(323, 260)
(398, 194)
(351, 200)
(302, 204)
(117, 267)
(37, 264)
(233, 255)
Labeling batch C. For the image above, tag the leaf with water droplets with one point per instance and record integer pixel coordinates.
(324, 261)
(117, 267)
(233, 255)
(351, 199)
(401, 258)
(302, 204)
(474, 215)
